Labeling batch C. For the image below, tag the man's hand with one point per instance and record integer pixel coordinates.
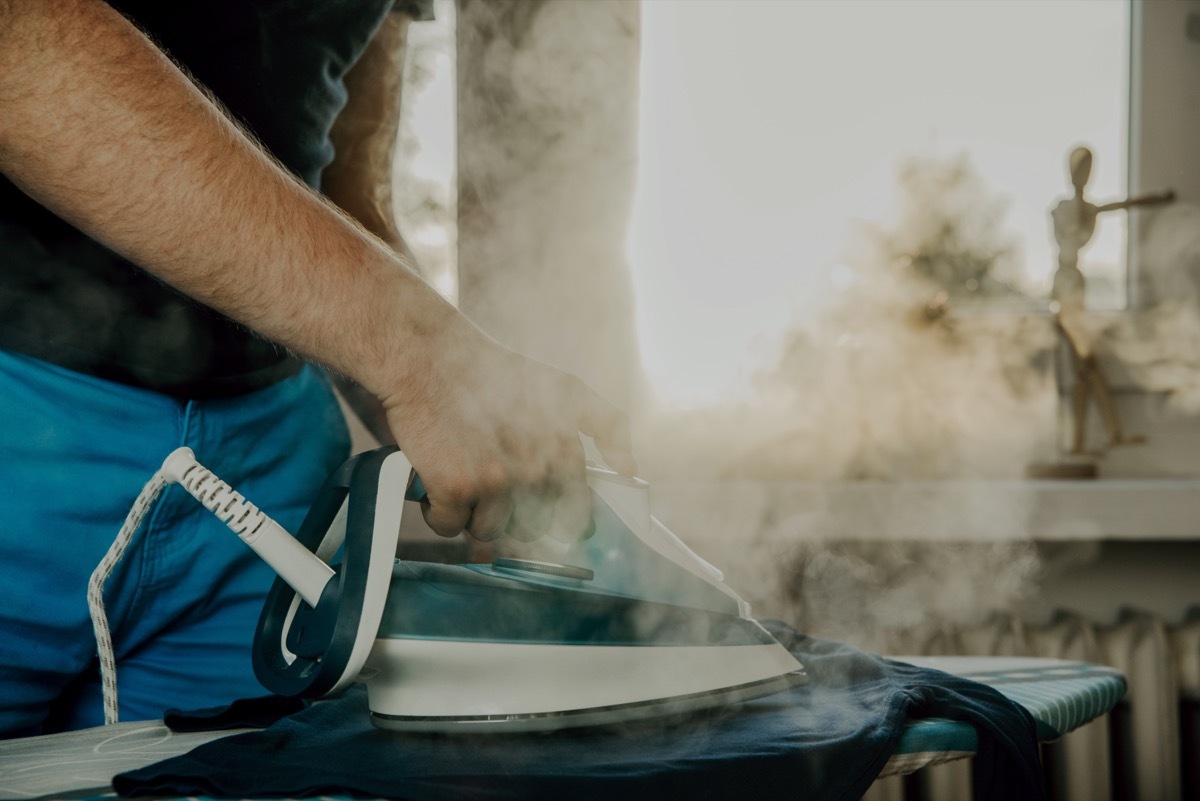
(495, 438)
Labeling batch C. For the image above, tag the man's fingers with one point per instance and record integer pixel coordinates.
(447, 519)
(523, 473)
(490, 518)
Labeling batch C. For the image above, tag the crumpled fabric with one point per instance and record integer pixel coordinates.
(827, 740)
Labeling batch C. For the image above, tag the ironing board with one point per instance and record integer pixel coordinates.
(1061, 696)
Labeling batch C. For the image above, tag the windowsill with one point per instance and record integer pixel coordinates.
(776, 513)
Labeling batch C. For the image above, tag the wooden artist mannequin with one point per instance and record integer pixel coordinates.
(1074, 220)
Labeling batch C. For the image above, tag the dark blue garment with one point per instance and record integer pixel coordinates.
(277, 67)
(825, 740)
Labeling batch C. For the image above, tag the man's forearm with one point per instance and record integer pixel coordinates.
(100, 127)
(364, 134)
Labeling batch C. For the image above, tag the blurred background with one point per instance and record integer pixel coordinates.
(808, 246)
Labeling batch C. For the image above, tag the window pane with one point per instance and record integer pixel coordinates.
(772, 131)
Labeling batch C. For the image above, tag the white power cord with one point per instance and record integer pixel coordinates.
(305, 573)
(95, 594)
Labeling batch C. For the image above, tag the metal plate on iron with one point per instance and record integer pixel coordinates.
(543, 568)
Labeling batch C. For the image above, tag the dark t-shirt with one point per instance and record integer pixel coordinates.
(277, 66)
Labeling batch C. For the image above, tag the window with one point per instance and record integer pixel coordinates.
(774, 135)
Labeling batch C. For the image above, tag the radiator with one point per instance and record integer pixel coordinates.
(1147, 749)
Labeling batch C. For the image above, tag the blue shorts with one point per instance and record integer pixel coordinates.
(184, 601)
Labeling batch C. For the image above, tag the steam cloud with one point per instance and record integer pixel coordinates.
(891, 381)
(1160, 345)
(547, 132)
(880, 385)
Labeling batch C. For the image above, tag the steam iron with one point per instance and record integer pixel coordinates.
(629, 625)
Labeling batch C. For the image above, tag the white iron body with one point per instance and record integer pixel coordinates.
(631, 625)
(423, 685)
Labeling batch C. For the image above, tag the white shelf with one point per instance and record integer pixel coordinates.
(779, 512)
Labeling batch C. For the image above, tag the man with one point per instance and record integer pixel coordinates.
(118, 158)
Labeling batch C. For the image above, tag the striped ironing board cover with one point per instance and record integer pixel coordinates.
(1061, 696)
